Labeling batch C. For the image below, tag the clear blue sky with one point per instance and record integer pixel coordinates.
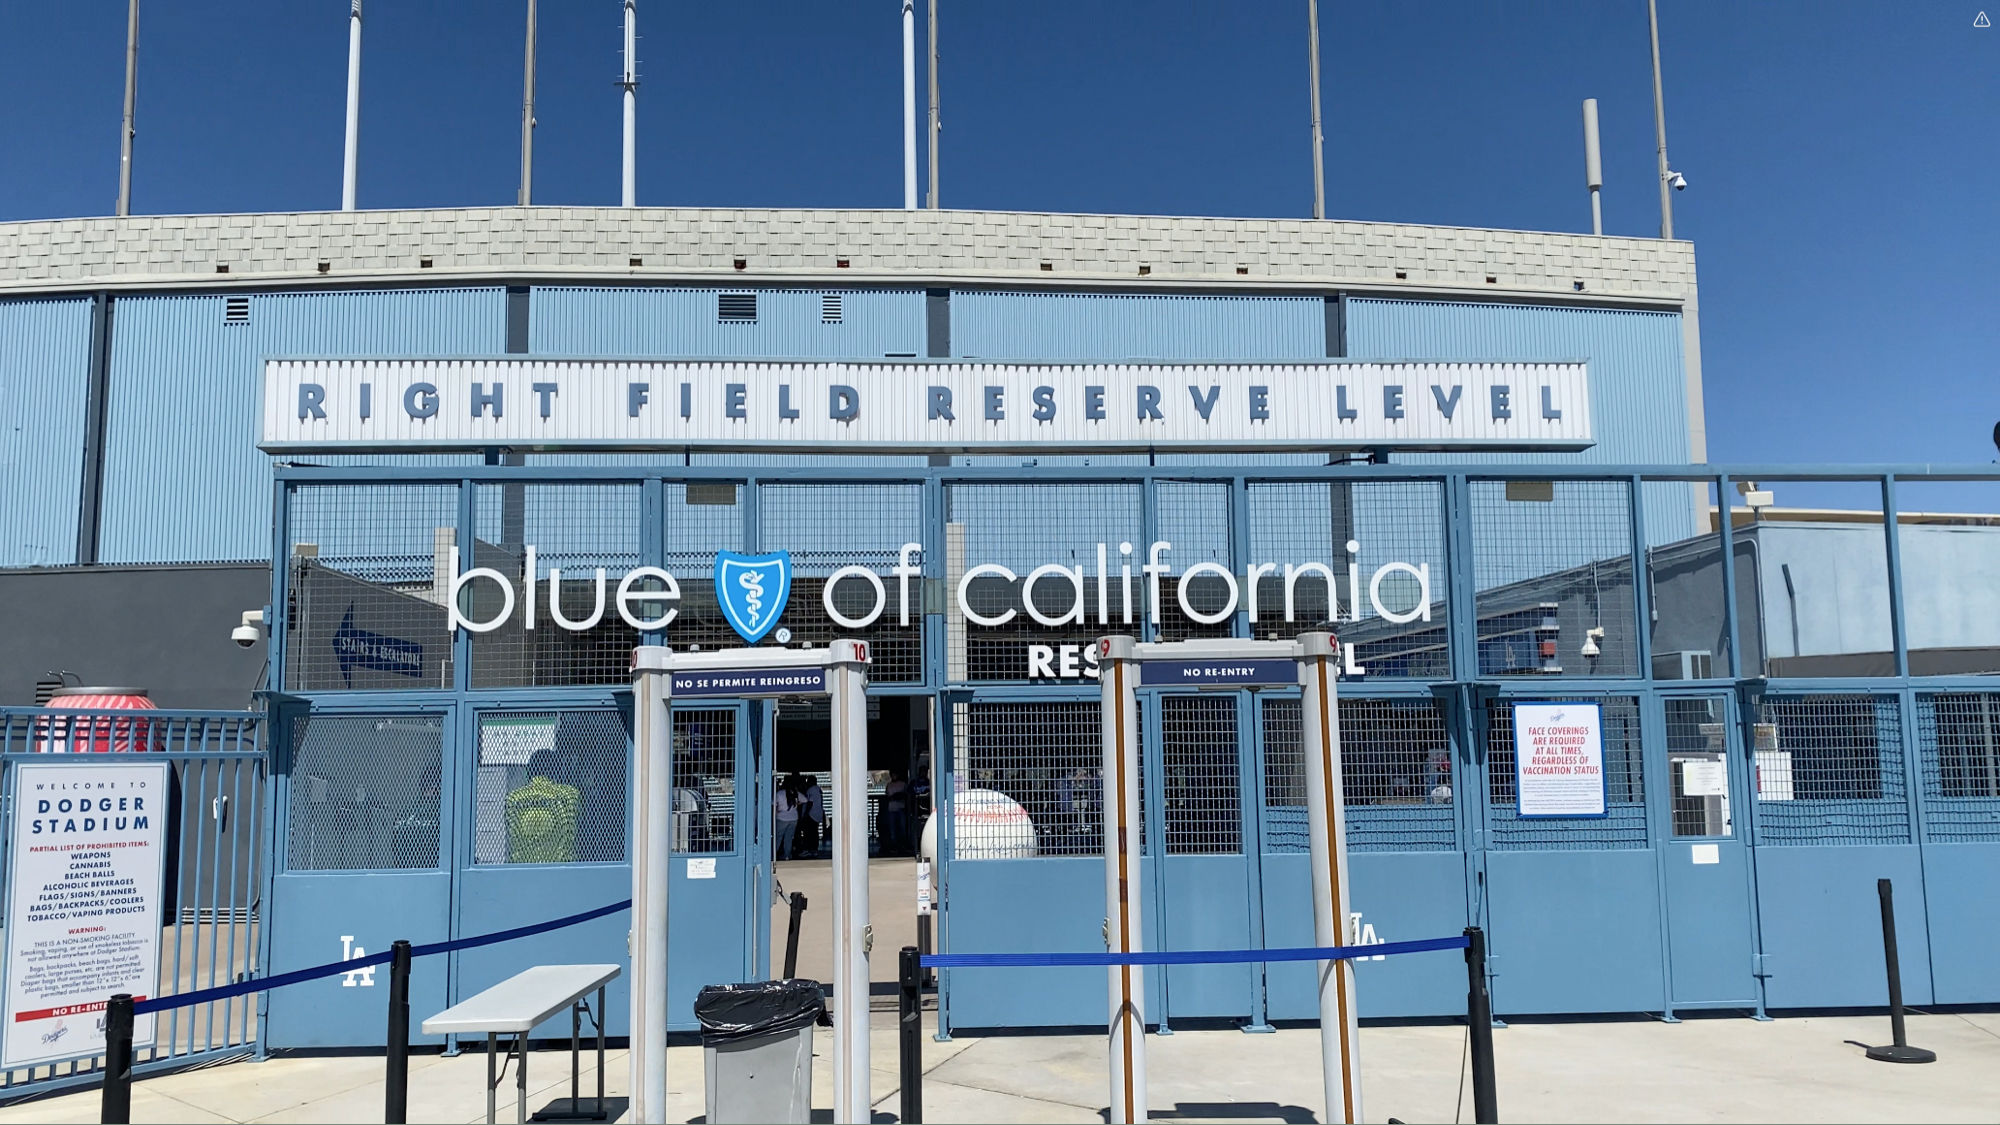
(1844, 157)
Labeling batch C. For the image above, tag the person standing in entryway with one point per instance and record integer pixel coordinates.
(785, 808)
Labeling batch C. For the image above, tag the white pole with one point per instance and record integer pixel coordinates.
(1326, 822)
(131, 92)
(652, 817)
(1593, 165)
(1118, 720)
(909, 105)
(1319, 167)
(630, 192)
(1660, 124)
(353, 105)
(528, 120)
(932, 152)
(847, 680)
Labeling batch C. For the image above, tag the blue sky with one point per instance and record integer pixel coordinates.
(1844, 157)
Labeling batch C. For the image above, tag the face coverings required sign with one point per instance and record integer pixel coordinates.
(87, 855)
(1559, 759)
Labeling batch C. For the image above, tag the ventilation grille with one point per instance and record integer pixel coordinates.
(736, 308)
(829, 308)
(236, 310)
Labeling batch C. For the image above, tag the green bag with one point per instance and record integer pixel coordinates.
(541, 822)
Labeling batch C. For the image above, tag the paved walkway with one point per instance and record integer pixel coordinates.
(1712, 1070)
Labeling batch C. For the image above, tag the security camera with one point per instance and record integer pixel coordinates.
(1677, 181)
(250, 631)
(1590, 639)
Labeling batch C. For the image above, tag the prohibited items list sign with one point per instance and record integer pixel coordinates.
(86, 854)
(1559, 759)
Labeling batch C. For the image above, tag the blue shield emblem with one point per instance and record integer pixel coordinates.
(752, 590)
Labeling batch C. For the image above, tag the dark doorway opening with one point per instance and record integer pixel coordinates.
(899, 761)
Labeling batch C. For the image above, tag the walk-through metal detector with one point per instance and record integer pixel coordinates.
(659, 675)
(1310, 661)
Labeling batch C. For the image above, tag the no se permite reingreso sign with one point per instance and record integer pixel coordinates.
(87, 852)
(1559, 759)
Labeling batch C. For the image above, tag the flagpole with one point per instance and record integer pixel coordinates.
(1319, 167)
(528, 113)
(353, 106)
(909, 105)
(131, 91)
(931, 8)
(629, 193)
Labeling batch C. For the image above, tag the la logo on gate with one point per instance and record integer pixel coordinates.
(752, 590)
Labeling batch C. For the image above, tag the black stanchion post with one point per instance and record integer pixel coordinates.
(396, 1090)
(1900, 1051)
(909, 1030)
(929, 978)
(792, 935)
(1479, 1020)
(117, 1107)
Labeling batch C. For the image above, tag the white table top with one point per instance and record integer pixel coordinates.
(521, 1001)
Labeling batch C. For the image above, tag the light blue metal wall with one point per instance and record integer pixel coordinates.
(183, 479)
(1114, 326)
(1638, 381)
(44, 381)
(665, 323)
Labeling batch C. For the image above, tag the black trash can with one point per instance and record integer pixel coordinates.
(757, 1051)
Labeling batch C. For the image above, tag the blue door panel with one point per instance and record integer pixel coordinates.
(1052, 905)
(1709, 924)
(1405, 896)
(317, 911)
(1574, 931)
(1962, 893)
(1206, 907)
(501, 898)
(1823, 930)
(710, 935)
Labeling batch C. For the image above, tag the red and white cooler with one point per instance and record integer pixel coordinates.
(97, 734)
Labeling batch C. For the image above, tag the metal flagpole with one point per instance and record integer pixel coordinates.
(528, 116)
(847, 679)
(1117, 672)
(909, 105)
(353, 146)
(629, 193)
(1660, 125)
(1319, 167)
(931, 8)
(1593, 165)
(131, 92)
(652, 793)
(1326, 821)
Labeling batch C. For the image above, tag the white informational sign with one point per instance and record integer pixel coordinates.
(703, 868)
(853, 407)
(923, 886)
(1559, 759)
(87, 855)
(1701, 777)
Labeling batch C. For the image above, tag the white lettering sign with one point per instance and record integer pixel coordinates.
(87, 854)
(851, 407)
(1559, 759)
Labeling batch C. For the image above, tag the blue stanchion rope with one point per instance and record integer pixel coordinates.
(1189, 957)
(335, 968)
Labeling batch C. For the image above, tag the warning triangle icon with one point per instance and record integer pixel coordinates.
(1980, 20)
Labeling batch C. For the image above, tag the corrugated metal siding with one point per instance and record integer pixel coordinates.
(184, 480)
(669, 323)
(44, 381)
(1638, 383)
(1110, 326)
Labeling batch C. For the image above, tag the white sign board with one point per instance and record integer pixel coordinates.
(855, 407)
(1704, 778)
(1559, 759)
(923, 886)
(86, 858)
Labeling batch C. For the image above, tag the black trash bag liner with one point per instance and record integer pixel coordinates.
(731, 1013)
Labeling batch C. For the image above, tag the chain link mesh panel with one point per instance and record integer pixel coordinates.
(827, 527)
(1022, 527)
(1396, 778)
(1958, 736)
(368, 578)
(1698, 765)
(1030, 780)
(1303, 528)
(1552, 561)
(1194, 516)
(587, 532)
(365, 792)
(1201, 775)
(702, 518)
(551, 787)
(1830, 771)
(1623, 824)
(705, 741)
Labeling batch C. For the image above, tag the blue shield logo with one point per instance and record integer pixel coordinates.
(752, 590)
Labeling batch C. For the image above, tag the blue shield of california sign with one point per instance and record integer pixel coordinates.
(752, 590)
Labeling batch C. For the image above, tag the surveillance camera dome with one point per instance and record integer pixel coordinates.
(1679, 182)
(245, 635)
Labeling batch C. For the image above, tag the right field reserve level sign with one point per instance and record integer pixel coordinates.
(1559, 759)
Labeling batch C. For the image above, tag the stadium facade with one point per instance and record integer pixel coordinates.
(1788, 712)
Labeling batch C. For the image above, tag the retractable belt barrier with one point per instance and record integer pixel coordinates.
(1189, 957)
(117, 1105)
